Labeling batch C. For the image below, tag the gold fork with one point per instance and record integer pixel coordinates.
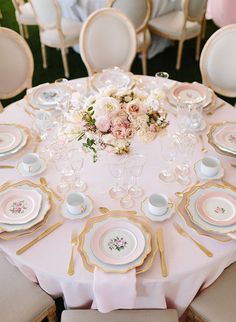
(73, 241)
(203, 149)
(182, 232)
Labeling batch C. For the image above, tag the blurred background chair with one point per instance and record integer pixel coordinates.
(24, 16)
(120, 316)
(218, 61)
(107, 39)
(20, 299)
(217, 302)
(182, 25)
(139, 12)
(16, 64)
(55, 31)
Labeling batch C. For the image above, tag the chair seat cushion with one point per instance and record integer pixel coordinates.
(120, 316)
(171, 24)
(71, 31)
(26, 15)
(217, 302)
(20, 299)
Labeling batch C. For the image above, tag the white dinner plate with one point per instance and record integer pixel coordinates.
(23, 142)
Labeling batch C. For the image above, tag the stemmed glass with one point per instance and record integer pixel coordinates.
(168, 152)
(127, 200)
(186, 143)
(63, 101)
(77, 162)
(136, 164)
(64, 168)
(43, 123)
(116, 166)
(162, 76)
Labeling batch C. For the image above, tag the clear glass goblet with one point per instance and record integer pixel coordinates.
(43, 123)
(116, 166)
(168, 152)
(77, 162)
(136, 163)
(63, 167)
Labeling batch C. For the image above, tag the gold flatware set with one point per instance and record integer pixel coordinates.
(74, 242)
(44, 183)
(159, 235)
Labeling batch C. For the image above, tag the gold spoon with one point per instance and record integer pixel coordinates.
(217, 107)
(105, 211)
(181, 193)
(203, 149)
(43, 181)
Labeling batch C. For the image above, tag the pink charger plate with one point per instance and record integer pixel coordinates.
(108, 239)
(187, 91)
(217, 208)
(226, 136)
(19, 206)
(10, 137)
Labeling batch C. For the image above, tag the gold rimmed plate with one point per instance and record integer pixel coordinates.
(142, 263)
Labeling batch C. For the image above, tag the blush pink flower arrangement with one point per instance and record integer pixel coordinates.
(110, 119)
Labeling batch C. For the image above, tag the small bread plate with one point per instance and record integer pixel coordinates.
(89, 207)
(24, 173)
(149, 215)
(200, 175)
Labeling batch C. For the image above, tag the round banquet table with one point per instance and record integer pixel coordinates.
(189, 268)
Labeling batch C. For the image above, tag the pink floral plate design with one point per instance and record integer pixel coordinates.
(10, 137)
(19, 206)
(189, 92)
(118, 242)
(226, 136)
(217, 208)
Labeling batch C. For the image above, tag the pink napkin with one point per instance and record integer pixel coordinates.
(114, 290)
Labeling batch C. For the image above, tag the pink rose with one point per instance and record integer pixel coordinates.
(119, 132)
(103, 123)
(153, 128)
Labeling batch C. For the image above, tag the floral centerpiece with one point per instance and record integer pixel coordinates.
(110, 119)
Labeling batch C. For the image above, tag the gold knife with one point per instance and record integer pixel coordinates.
(39, 237)
(7, 166)
(162, 252)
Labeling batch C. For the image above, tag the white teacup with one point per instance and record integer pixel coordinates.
(31, 162)
(75, 203)
(158, 204)
(210, 166)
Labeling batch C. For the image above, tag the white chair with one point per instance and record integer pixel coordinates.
(218, 61)
(217, 302)
(22, 300)
(107, 39)
(24, 16)
(120, 316)
(16, 64)
(181, 25)
(139, 12)
(55, 31)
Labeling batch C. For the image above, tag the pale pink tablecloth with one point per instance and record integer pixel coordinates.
(189, 269)
(222, 12)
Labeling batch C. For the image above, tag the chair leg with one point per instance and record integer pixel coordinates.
(1, 107)
(144, 61)
(179, 54)
(65, 63)
(0, 14)
(198, 44)
(203, 28)
(26, 31)
(44, 56)
(52, 317)
(21, 30)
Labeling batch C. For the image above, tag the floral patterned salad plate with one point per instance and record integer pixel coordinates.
(19, 206)
(217, 208)
(122, 244)
(190, 92)
(211, 206)
(118, 242)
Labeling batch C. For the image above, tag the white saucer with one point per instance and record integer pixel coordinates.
(165, 216)
(89, 207)
(200, 175)
(32, 174)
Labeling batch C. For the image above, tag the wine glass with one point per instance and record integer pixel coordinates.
(116, 166)
(136, 164)
(161, 77)
(168, 152)
(127, 201)
(63, 100)
(62, 165)
(43, 123)
(77, 162)
(186, 142)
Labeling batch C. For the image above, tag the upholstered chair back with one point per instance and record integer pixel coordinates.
(47, 13)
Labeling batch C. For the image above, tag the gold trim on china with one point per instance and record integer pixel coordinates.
(211, 141)
(181, 208)
(147, 260)
(21, 151)
(20, 233)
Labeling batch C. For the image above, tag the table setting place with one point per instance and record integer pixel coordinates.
(117, 158)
